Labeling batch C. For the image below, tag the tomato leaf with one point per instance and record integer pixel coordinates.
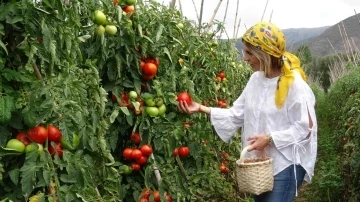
(166, 51)
(113, 115)
(14, 176)
(3, 46)
(9, 152)
(119, 14)
(125, 111)
(159, 32)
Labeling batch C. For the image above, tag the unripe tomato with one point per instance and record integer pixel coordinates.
(100, 18)
(146, 150)
(32, 147)
(130, 2)
(162, 110)
(136, 154)
(100, 30)
(58, 149)
(133, 95)
(127, 153)
(22, 137)
(110, 30)
(180, 25)
(16, 145)
(152, 111)
(54, 134)
(38, 134)
(184, 151)
(184, 97)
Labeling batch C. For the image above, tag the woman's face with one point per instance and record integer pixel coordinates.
(250, 58)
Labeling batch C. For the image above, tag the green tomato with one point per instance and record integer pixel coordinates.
(16, 145)
(162, 109)
(152, 111)
(130, 2)
(180, 25)
(159, 101)
(99, 18)
(125, 169)
(150, 102)
(133, 95)
(100, 30)
(32, 147)
(72, 143)
(110, 30)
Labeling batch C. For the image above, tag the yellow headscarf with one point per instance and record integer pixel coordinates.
(271, 40)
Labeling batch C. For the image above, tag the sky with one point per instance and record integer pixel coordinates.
(285, 13)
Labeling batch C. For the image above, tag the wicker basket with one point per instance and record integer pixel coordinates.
(254, 175)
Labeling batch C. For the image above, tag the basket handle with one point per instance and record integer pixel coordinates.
(245, 151)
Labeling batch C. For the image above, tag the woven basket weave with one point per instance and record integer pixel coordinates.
(254, 175)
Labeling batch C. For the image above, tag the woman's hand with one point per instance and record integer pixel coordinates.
(258, 142)
(189, 109)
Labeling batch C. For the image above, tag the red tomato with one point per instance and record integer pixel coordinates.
(225, 155)
(136, 154)
(224, 169)
(38, 134)
(222, 75)
(146, 150)
(146, 193)
(58, 149)
(128, 9)
(149, 69)
(185, 97)
(22, 137)
(142, 160)
(113, 97)
(176, 152)
(168, 198)
(156, 196)
(144, 200)
(184, 151)
(127, 153)
(154, 61)
(115, 2)
(135, 167)
(142, 64)
(54, 134)
(148, 77)
(135, 138)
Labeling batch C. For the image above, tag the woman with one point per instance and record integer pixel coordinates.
(276, 111)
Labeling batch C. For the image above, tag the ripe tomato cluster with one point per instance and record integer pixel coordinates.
(149, 67)
(138, 156)
(147, 195)
(181, 151)
(222, 103)
(224, 162)
(36, 137)
(221, 77)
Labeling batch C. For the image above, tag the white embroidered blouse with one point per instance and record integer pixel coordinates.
(256, 112)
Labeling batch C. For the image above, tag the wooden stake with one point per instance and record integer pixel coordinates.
(271, 15)
(226, 10)
(237, 9)
(237, 29)
(201, 14)
(181, 12)
(197, 14)
(262, 18)
(214, 14)
(172, 4)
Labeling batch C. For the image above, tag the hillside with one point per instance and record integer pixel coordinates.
(320, 46)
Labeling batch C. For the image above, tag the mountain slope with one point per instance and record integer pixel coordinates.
(320, 46)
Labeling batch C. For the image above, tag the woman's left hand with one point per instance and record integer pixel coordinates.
(258, 142)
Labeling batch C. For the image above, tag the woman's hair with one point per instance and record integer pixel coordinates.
(267, 62)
